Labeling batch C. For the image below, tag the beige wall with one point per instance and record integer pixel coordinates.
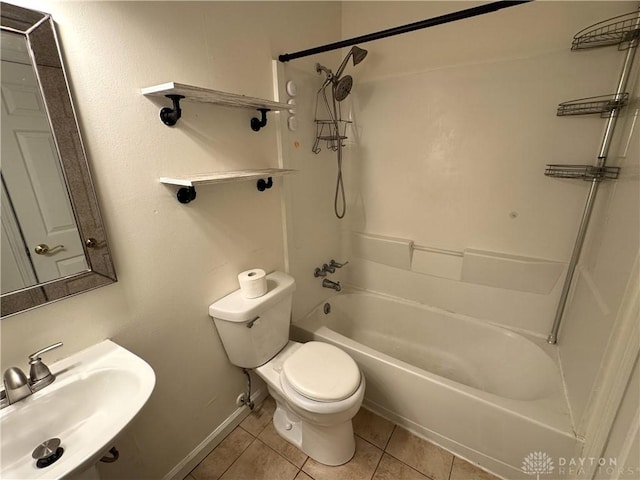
(172, 260)
(423, 104)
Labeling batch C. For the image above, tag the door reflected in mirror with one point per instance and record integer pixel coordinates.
(40, 239)
(53, 240)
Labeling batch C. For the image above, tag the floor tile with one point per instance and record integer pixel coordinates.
(424, 456)
(303, 476)
(214, 465)
(271, 438)
(360, 467)
(188, 477)
(393, 469)
(260, 417)
(463, 470)
(259, 462)
(372, 427)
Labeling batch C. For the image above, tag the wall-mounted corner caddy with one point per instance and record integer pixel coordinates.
(623, 32)
(178, 91)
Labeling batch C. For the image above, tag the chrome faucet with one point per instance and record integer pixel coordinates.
(16, 384)
(326, 283)
(328, 268)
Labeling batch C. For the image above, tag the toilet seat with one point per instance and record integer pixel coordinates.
(321, 372)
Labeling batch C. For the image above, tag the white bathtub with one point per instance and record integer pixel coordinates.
(485, 393)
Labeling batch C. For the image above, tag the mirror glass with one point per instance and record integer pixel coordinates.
(53, 240)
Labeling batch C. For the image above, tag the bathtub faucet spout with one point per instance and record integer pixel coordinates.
(326, 283)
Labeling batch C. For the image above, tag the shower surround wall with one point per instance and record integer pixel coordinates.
(312, 229)
(452, 144)
(451, 148)
(172, 260)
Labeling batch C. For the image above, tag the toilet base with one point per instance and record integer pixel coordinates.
(330, 445)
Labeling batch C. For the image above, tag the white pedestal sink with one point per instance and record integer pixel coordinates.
(96, 394)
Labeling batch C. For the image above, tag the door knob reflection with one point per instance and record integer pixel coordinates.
(44, 249)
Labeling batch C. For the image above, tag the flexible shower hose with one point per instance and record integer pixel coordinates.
(339, 183)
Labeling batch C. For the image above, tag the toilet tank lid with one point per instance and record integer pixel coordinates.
(235, 307)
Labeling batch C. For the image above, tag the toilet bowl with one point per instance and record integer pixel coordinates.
(317, 387)
(320, 427)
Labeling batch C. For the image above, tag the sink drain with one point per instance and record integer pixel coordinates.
(48, 452)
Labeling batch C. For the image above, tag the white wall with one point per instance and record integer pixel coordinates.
(623, 444)
(455, 125)
(172, 260)
(313, 231)
(606, 265)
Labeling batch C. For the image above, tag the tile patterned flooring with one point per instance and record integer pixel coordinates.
(384, 451)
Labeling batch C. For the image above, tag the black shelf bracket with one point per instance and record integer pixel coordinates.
(258, 123)
(186, 194)
(265, 184)
(170, 116)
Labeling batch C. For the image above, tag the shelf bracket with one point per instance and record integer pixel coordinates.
(170, 116)
(258, 123)
(186, 194)
(265, 184)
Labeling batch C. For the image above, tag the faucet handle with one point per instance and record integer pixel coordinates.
(39, 374)
(319, 272)
(34, 357)
(335, 264)
(329, 268)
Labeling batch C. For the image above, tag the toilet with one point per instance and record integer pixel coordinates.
(318, 388)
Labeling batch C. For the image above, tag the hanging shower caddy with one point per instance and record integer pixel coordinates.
(331, 132)
(622, 31)
(329, 129)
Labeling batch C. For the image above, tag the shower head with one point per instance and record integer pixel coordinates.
(358, 55)
(342, 88)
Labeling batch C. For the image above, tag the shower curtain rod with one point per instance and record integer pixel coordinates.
(410, 27)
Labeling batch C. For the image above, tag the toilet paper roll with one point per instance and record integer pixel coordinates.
(253, 283)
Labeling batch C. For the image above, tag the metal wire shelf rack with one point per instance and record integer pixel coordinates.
(621, 30)
(584, 172)
(331, 132)
(604, 105)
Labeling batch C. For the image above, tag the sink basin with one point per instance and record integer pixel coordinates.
(96, 394)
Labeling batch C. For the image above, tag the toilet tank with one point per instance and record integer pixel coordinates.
(254, 330)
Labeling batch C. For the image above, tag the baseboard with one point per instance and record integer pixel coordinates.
(198, 454)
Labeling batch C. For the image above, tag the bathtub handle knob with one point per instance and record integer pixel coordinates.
(335, 264)
(319, 272)
(329, 268)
